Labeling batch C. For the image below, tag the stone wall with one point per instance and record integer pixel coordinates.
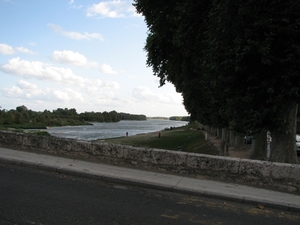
(279, 176)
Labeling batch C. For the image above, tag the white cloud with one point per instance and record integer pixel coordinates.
(39, 70)
(107, 84)
(100, 93)
(107, 69)
(77, 59)
(6, 49)
(26, 85)
(9, 50)
(71, 2)
(12, 92)
(73, 58)
(23, 89)
(143, 94)
(97, 94)
(112, 9)
(68, 95)
(75, 35)
(25, 50)
(30, 90)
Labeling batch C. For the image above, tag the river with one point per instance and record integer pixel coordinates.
(111, 130)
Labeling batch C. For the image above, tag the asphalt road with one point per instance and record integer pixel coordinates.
(30, 196)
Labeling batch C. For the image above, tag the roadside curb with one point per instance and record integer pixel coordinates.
(153, 185)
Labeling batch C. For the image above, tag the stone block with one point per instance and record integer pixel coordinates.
(137, 154)
(219, 164)
(213, 164)
(107, 150)
(169, 158)
(286, 171)
(255, 169)
(32, 141)
(80, 146)
(57, 144)
(8, 138)
(193, 160)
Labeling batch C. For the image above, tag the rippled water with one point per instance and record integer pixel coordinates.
(110, 130)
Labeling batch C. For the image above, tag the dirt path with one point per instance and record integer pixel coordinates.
(243, 154)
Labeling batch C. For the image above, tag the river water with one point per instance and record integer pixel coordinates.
(110, 130)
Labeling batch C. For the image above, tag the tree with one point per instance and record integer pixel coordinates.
(22, 108)
(114, 116)
(256, 59)
(235, 62)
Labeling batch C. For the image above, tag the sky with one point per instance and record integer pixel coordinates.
(82, 54)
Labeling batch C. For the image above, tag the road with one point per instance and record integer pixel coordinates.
(29, 196)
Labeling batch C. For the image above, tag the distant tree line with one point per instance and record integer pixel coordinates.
(21, 117)
(112, 116)
(158, 118)
(180, 118)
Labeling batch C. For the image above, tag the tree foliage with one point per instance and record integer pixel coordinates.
(236, 62)
(24, 118)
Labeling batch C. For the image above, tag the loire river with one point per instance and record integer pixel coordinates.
(110, 130)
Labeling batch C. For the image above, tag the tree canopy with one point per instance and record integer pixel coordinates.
(26, 118)
(236, 62)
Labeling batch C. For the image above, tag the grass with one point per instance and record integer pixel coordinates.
(187, 139)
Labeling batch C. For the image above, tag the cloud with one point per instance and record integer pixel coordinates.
(9, 50)
(23, 89)
(144, 94)
(107, 69)
(26, 85)
(6, 49)
(76, 35)
(100, 84)
(77, 59)
(96, 91)
(12, 92)
(26, 90)
(112, 9)
(73, 6)
(25, 50)
(73, 58)
(39, 70)
(68, 95)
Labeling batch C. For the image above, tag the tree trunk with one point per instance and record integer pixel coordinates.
(239, 143)
(259, 146)
(219, 133)
(224, 147)
(284, 138)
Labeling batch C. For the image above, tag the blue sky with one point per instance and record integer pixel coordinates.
(80, 54)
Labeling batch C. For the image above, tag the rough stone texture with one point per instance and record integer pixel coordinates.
(280, 176)
(110, 152)
(283, 171)
(138, 155)
(213, 166)
(12, 139)
(255, 172)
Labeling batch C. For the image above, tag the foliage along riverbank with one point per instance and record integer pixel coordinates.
(23, 118)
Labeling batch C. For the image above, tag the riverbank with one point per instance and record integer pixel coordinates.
(186, 138)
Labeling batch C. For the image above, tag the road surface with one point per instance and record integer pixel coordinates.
(30, 196)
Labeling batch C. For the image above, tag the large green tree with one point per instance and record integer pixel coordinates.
(255, 58)
(236, 62)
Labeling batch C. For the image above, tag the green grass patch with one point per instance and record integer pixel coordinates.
(187, 139)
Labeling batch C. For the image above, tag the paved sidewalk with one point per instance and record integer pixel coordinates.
(161, 181)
